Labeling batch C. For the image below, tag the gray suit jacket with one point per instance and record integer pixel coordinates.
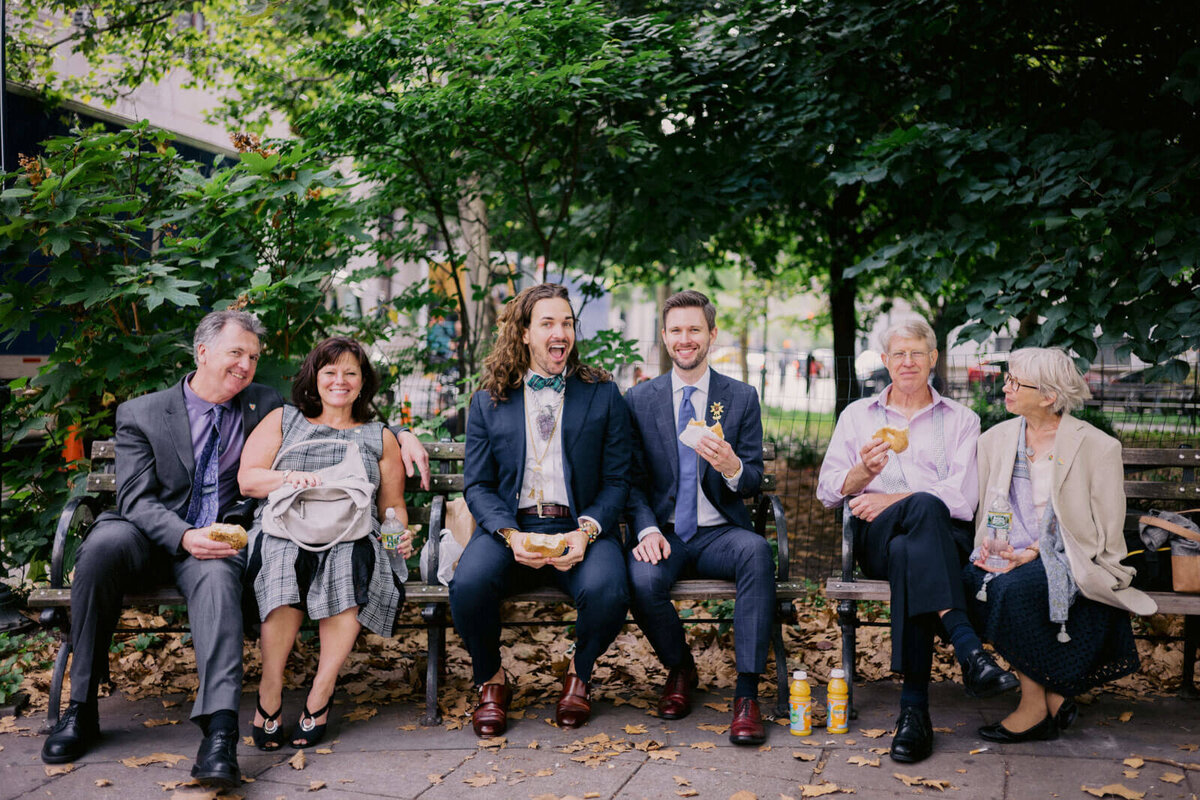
(156, 462)
(656, 453)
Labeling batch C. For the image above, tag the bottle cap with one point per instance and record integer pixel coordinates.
(799, 675)
(389, 513)
(837, 673)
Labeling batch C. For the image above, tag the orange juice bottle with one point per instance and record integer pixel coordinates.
(800, 704)
(838, 697)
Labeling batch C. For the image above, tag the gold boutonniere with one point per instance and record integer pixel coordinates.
(715, 411)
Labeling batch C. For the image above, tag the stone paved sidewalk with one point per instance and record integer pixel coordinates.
(390, 755)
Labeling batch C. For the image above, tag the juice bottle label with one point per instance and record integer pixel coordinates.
(800, 714)
(837, 721)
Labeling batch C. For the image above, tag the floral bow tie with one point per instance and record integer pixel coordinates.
(555, 382)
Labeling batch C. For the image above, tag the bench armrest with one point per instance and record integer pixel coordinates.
(79, 511)
(771, 504)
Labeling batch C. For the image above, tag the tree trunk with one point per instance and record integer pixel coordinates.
(477, 246)
(662, 292)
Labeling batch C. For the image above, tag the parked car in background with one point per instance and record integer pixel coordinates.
(1136, 392)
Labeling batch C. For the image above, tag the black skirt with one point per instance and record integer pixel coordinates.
(1016, 620)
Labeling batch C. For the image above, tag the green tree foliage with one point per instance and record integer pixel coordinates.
(126, 246)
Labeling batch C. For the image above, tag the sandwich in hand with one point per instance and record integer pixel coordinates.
(697, 430)
(232, 535)
(550, 545)
(896, 437)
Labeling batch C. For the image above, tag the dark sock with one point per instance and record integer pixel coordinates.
(915, 692)
(747, 685)
(224, 720)
(962, 635)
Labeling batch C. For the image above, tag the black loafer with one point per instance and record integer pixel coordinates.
(216, 762)
(983, 677)
(1044, 731)
(1067, 712)
(914, 736)
(77, 730)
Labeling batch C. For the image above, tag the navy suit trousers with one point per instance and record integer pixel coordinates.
(920, 550)
(721, 551)
(487, 572)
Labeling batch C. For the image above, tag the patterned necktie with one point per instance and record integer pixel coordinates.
(555, 382)
(685, 498)
(202, 509)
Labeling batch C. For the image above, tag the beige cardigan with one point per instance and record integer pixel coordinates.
(1088, 497)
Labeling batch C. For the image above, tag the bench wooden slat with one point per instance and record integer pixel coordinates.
(105, 449)
(98, 482)
(1161, 490)
(1143, 457)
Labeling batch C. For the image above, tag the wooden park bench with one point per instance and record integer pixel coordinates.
(433, 598)
(1174, 482)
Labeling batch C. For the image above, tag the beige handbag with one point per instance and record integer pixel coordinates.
(1185, 562)
(318, 517)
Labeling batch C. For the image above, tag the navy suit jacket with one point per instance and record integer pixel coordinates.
(656, 452)
(595, 446)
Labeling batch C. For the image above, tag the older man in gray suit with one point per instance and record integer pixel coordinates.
(177, 460)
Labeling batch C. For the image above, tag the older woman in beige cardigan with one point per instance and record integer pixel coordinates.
(1055, 604)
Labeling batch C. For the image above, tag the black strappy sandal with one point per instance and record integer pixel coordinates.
(270, 736)
(310, 732)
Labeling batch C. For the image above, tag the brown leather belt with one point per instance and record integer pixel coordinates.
(547, 510)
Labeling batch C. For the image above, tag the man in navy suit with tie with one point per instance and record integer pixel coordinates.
(687, 510)
(547, 452)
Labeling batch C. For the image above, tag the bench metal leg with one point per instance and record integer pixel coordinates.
(785, 613)
(434, 615)
(1191, 641)
(848, 620)
(56, 684)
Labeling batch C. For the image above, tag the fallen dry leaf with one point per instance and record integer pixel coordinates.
(935, 783)
(361, 714)
(711, 728)
(863, 761)
(800, 755)
(873, 733)
(545, 772)
(687, 792)
(1171, 777)
(316, 785)
(298, 761)
(1114, 790)
(907, 780)
(433, 778)
(479, 780)
(170, 759)
(634, 730)
(743, 795)
(818, 789)
(1134, 762)
(1131, 773)
(102, 782)
(722, 707)
(323, 751)
(1125, 716)
(1191, 748)
(155, 723)
(681, 781)
(704, 746)
(169, 785)
(590, 795)
(60, 769)
(943, 730)
(663, 755)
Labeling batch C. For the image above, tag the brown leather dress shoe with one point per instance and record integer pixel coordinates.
(491, 715)
(676, 699)
(574, 704)
(747, 727)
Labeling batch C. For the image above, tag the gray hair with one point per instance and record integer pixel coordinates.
(1054, 373)
(915, 328)
(214, 322)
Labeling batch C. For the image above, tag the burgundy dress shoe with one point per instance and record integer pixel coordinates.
(676, 700)
(747, 727)
(491, 715)
(574, 704)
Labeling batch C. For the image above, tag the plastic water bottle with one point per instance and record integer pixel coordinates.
(800, 704)
(838, 698)
(390, 531)
(999, 523)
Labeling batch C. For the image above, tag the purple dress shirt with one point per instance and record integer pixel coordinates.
(233, 436)
(857, 425)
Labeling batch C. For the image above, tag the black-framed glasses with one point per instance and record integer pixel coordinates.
(1010, 382)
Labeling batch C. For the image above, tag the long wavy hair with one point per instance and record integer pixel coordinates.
(505, 367)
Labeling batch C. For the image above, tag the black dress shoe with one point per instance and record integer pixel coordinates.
(78, 729)
(914, 736)
(983, 677)
(1044, 731)
(1067, 712)
(216, 762)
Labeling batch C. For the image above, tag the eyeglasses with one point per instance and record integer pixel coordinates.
(1010, 382)
(918, 356)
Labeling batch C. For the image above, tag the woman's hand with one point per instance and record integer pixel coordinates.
(300, 479)
(405, 549)
(1015, 558)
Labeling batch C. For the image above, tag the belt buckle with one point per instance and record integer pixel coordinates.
(539, 509)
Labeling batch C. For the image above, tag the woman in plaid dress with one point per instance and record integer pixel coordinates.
(349, 586)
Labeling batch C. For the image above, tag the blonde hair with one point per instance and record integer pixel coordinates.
(1054, 373)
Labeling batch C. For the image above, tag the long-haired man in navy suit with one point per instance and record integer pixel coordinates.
(547, 452)
(687, 510)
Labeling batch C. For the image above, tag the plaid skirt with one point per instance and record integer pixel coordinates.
(350, 574)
